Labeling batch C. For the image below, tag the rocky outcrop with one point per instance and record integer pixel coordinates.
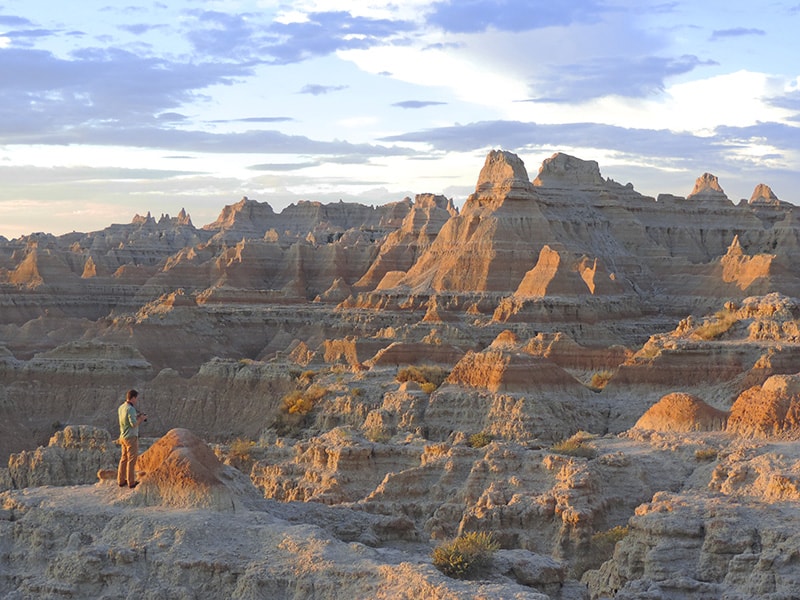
(73, 456)
(593, 340)
(772, 409)
(179, 470)
(557, 273)
(100, 542)
(401, 248)
(701, 547)
(682, 412)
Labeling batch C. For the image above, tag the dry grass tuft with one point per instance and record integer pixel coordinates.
(466, 555)
(429, 377)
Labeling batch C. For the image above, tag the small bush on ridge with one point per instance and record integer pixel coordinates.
(466, 555)
(574, 446)
(601, 379)
(423, 374)
(479, 440)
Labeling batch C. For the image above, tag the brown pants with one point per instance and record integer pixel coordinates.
(126, 473)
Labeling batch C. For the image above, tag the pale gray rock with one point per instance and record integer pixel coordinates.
(73, 456)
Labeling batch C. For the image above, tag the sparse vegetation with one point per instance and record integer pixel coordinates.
(600, 379)
(428, 387)
(712, 328)
(301, 402)
(479, 440)
(575, 446)
(429, 377)
(295, 403)
(466, 555)
(706, 454)
(239, 449)
(603, 542)
(377, 434)
(306, 377)
(297, 406)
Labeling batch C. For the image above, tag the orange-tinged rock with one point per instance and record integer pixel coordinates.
(682, 412)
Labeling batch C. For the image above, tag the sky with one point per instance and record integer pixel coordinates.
(109, 110)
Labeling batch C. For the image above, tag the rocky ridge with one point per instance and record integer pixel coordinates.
(563, 362)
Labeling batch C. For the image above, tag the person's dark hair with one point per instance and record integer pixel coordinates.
(131, 394)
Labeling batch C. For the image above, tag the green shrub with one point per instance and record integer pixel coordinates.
(479, 440)
(466, 555)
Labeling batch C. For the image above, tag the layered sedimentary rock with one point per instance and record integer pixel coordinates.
(309, 346)
(771, 409)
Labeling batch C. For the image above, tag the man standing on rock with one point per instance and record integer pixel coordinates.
(129, 420)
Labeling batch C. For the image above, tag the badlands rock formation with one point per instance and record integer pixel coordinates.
(605, 381)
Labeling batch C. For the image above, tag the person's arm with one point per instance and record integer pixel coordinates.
(133, 417)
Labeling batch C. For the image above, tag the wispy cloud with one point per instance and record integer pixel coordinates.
(14, 21)
(721, 34)
(318, 90)
(417, 103)
(247, 36)
(518, 135)
(283, 167)
(42, 95)
(633, 77)
(254, 120)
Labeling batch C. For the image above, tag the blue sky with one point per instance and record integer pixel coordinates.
(109, 110)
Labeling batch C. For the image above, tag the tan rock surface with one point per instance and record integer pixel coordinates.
(682, 412)
(180, 470)
(768, 410)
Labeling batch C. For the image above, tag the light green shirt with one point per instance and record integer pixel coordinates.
(128, 428)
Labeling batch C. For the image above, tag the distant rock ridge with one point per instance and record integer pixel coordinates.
(565, 171)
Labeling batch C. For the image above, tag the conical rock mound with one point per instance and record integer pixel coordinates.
(682, 412)
(763, 194)
(180, 470)
(503, 175)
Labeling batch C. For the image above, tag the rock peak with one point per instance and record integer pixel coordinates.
(707, 185)
(763, 194)
(502, 168)
(562, 170)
